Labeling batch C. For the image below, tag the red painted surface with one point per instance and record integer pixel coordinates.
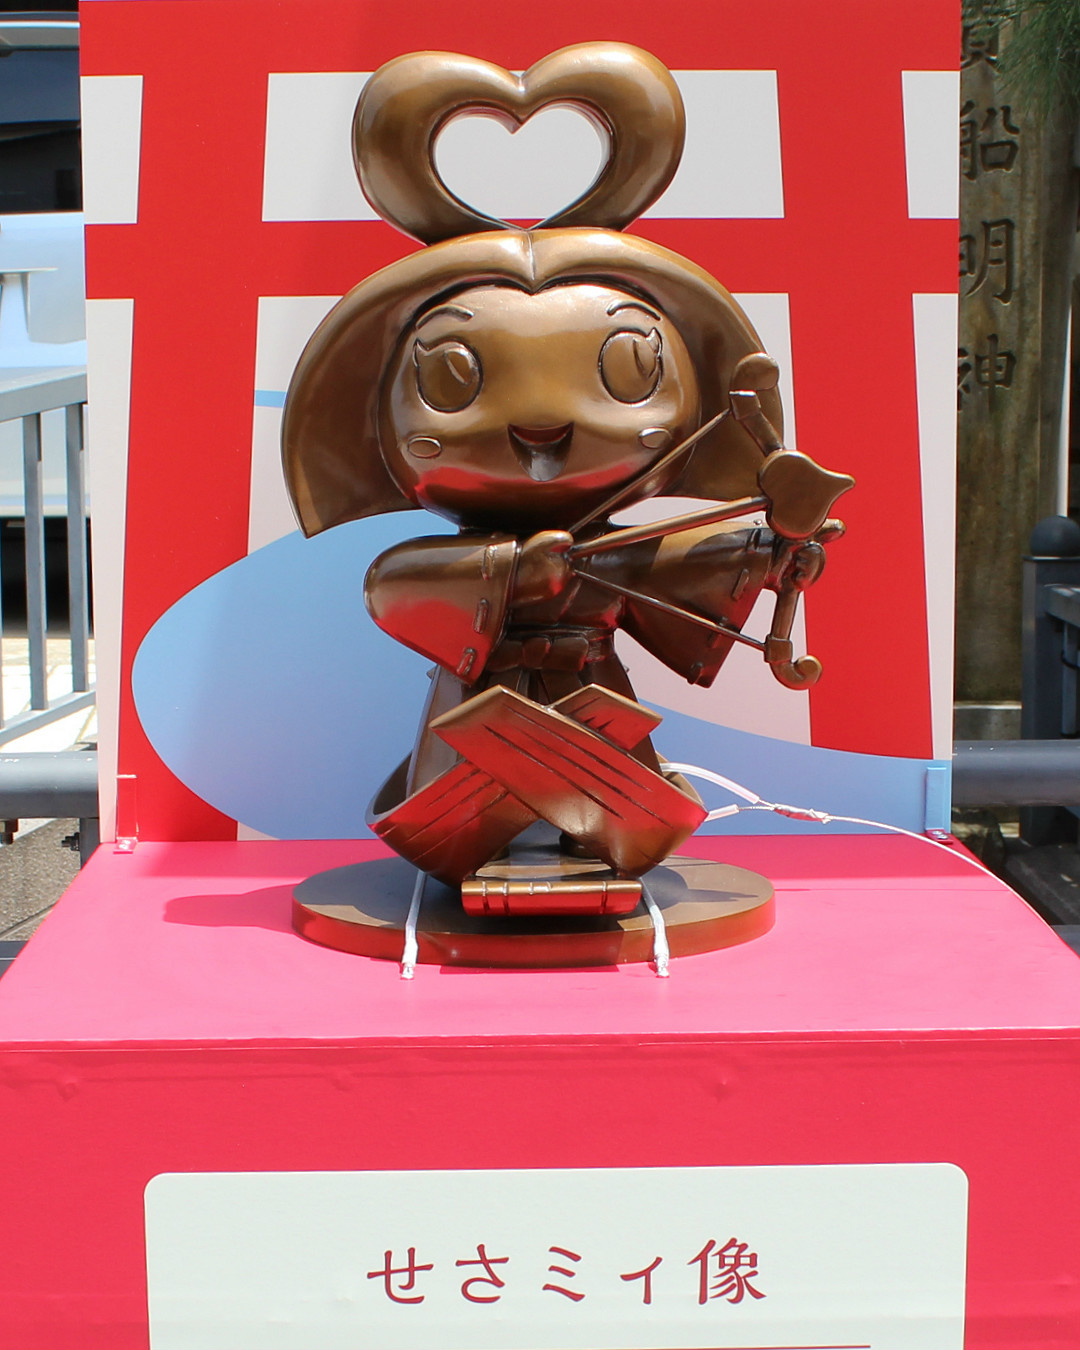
(872, 934)
(905, 1008)
(846, 252)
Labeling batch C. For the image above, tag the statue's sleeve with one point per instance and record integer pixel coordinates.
(716, 571)
(446, 598)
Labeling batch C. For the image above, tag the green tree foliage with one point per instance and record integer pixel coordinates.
(1039, 42)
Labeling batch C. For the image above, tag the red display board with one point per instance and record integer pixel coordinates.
(820, 186)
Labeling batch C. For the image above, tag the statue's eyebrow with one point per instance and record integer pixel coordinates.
(455, 310)
(633, 304)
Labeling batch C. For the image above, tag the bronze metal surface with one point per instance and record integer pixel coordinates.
(459, 820)
(706, 906)
(617, 719)
(511, 887)
(463, 816)
(454, 824)
(629, 492)
(719, 630)
(626, 93)
(800, 493)
(619, 810)
(542, 432)
(525, 384)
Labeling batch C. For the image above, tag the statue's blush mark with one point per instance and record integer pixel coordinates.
(424, 447)
(655, 438)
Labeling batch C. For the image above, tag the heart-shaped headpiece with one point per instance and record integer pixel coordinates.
(626, 93)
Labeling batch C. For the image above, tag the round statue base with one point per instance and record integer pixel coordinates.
(362, 909)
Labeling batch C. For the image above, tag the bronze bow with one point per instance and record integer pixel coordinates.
(796, 496)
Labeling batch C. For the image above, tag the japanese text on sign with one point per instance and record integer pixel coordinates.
(726, 1271)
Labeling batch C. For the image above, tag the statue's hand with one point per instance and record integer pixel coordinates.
(807, 564)
(543, 568)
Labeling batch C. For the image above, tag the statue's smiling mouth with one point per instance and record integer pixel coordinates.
(542, 451)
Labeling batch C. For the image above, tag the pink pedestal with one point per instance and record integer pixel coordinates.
(906, 1008)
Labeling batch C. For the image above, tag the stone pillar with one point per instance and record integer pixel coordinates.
(1017, 229)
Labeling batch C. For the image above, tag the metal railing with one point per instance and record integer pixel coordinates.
(1040, 772)
(1051, 618)
(1032, 774)
(1061, 604)
(1051, 706)
(37, 784)
(24, 396)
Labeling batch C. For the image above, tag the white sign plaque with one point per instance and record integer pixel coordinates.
(846, 1257)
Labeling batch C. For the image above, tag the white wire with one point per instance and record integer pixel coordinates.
(911, 834)
(808, 813)
(722, 811)
(411, 950)
(661, 950)
(695, 772)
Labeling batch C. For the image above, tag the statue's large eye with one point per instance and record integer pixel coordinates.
(447, 374)
(630, 365)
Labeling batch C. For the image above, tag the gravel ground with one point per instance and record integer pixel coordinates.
(34, 872)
